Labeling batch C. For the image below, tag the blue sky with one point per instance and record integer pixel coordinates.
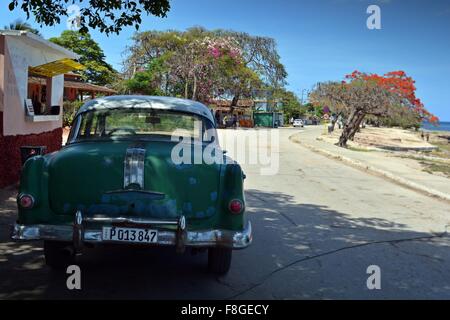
(321, 40)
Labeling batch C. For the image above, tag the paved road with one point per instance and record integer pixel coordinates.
(318, 225)
(410, 171)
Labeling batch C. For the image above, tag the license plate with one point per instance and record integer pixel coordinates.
(130, 235)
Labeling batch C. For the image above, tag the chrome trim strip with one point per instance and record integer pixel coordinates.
(206, 238)
(131, 220)
(78, 231)
(134, 167)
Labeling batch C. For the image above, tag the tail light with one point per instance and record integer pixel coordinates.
(236, 206)
(26, 201)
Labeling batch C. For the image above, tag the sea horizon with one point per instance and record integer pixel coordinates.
(443, 126)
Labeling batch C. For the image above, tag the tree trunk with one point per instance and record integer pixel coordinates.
(186, 87)
(349, 127)
(344, 136)
(194, 89)
(235, 101)
(166, 85)
(333, 123)
(357, 124)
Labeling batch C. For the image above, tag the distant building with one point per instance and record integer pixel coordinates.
(74, 87)
(264, 105)
(222, 110)
(244, 110)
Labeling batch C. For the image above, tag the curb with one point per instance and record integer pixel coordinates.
(359, 165)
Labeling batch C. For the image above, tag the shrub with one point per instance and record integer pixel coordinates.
(70, 108)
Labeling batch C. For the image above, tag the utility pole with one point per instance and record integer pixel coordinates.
(303, 92)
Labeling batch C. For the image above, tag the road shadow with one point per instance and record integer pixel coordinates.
(300, 251)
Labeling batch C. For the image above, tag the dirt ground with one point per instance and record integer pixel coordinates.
(384, 138)
(432, 156)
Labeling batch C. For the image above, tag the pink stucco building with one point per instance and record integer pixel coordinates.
(23, 54)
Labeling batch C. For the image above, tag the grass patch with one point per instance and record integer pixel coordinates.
(436, 166)
(359, 149)
(443, 150)
(443, 146)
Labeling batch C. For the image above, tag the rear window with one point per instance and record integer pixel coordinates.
(140, 123)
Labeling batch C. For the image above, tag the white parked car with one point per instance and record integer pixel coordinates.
(298, 123)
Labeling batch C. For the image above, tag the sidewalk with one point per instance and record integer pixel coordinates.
(406, 172)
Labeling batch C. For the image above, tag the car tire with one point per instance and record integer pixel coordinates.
(58, 255)
(219, 260)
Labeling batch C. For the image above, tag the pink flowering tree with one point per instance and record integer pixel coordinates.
(205, 65)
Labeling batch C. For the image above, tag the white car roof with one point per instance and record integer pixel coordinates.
(150, 102)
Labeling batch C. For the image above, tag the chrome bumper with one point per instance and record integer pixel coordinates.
(79, 233)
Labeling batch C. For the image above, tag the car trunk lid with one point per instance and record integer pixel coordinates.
(123, 178)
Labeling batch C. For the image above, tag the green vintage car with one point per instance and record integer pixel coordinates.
(135, 170)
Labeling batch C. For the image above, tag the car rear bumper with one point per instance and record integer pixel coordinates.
(80, 233)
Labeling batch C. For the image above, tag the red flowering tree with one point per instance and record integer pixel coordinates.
(400, 84)
(363, 94)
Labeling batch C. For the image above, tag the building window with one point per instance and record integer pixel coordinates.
(39, 92)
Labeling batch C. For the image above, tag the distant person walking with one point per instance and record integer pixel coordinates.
(234, 121)
(330, 127)
(217, 116)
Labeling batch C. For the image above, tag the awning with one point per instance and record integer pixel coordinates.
(56, 68)
(87, 87)
(243, 103)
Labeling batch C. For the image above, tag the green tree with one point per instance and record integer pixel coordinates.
(259, 55)
(147, 81)
(204, 65)
(148, 45)
(290, 105)
(92, 57)
(19, 24)
(107, 16)
(400, 117)
(337, 107)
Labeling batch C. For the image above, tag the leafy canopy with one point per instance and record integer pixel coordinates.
(290, 104)
(92, 56)
(372, 94)
(399, 84)
(203, 65)
(106, 16)
(388, 96)
(145, 81)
